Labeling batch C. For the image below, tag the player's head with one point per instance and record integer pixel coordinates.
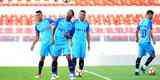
(39, 15)
(70, 14)
(149, 14)
(82, 14)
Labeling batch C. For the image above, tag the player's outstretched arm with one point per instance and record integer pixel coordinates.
(152, 37)
(137, 37)
(35, 41)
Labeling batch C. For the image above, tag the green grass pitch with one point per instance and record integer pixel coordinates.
(112, 72)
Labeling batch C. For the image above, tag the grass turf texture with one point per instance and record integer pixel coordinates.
(112, 72)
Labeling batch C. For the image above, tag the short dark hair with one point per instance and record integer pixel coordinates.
(83, 11)
(150, 11)
(71, 10)
(39, 12)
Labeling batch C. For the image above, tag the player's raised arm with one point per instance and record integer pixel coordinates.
(137, 32)
(36, 39)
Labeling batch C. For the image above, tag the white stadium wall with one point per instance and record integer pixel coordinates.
(113, 33)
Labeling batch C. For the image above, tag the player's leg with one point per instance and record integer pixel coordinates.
(74, 62)
(66, 52)
(40, 67)
(81, 63)
(75, 56)
(149, 49)
(81, 66)
(55, 52)
(71, 67)
(43, 52)
(70, 64)
(81, 58)
(54, 68)
(138, 60)
(41, 64)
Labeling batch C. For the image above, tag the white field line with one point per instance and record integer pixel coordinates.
(98, 75)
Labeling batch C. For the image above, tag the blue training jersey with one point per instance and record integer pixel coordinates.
(80, 30)
(45, 30)
(62, 27)
(145, 27)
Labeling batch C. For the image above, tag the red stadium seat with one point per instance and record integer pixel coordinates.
(98, 19)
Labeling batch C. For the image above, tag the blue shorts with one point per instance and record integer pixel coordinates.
(61, 50)
(79, 50)
(145, 48)
(46, 48)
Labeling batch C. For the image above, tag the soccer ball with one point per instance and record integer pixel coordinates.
(151, 71)
(79, 73)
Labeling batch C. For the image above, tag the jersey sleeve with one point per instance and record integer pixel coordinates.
(57, 22)
(50, 20)
(151, 24)
(73, 26)
(72, 29)
(36, 29)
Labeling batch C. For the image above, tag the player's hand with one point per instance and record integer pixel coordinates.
(52, 41)
(88, 47)
(71, 43)
(67, 34)
(32, 47)
(154, 42)
(137, 40)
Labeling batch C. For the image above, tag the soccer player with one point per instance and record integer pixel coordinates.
(80, 38)
(61, 34)
(146, 35)
(44, 34)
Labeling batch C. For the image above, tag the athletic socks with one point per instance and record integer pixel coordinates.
(81, 64)
(54, 67)
(40, 66)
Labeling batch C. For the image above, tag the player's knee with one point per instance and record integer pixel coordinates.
(81, 59)
(140, 57)
(54, 58)
(42, 59)
(68, 57)
(54, 62)
(152, 56)
(74, 60)
(41, 63)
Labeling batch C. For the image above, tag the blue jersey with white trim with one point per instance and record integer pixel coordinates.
(62, 28)
(45, 30)
(80, 30)
(145, 27)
